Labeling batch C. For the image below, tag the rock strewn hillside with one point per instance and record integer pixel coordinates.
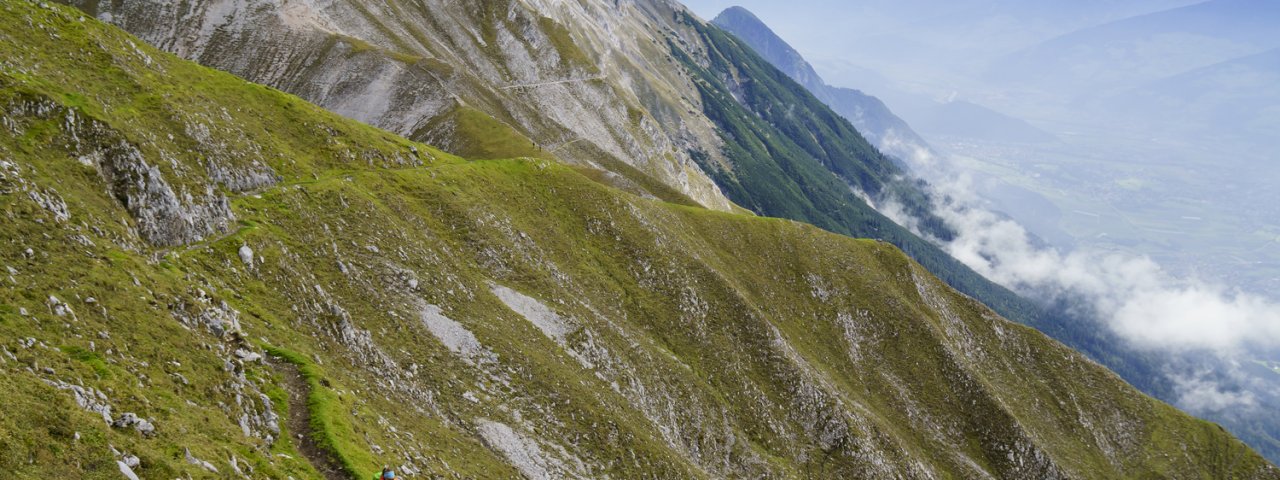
(166, 226)
(766, 142)
(584, 82)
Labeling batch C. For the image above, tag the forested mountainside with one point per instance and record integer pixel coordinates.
(209, 278)
(868, 114)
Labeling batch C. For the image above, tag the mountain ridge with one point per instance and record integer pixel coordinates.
(426, 70)
(492, 318)
(827, 178)
(868, 114)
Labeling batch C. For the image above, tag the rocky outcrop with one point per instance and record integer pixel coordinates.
(165, 216)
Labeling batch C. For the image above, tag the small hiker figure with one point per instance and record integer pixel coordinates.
(386, 474)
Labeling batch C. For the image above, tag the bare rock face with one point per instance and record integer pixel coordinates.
(585, 82)
(126, 470)
(90, 399)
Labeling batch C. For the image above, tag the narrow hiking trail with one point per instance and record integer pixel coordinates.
(299, 421)
(554, 82)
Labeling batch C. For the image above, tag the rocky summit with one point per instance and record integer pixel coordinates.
(209, 278)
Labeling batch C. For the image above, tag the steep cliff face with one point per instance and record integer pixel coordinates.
(483, 319)
(585, 82)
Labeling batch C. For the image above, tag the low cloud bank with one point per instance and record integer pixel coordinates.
(1208, 392)
(1143, 304)
(1208, 332)
(1131, 294)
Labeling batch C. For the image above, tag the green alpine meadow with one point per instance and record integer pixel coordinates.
(205, 277)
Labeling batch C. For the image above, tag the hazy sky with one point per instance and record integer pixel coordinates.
(795, 21)
(928, 46)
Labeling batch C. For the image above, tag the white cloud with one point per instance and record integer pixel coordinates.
(1198, 394)
(1132, 294)
(1200, 316)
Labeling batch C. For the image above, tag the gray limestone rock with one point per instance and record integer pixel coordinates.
(247, 356)
(166, 215)
(198, 462)
(126, 470)
(139, 424)
(246, 255)
(90, 399)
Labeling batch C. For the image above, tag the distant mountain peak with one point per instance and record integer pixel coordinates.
(868, 114)
(739, 10)
(748, 27)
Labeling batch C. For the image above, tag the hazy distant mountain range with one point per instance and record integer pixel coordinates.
(870, 115)
(1141, 49)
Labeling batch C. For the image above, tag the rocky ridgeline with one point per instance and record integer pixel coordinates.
(412, 67)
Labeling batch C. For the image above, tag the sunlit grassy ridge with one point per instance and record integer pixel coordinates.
(481, 319)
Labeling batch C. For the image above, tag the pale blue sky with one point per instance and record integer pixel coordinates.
(937, 44)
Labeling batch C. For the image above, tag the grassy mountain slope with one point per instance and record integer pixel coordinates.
(770, 145)
(166, 225)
